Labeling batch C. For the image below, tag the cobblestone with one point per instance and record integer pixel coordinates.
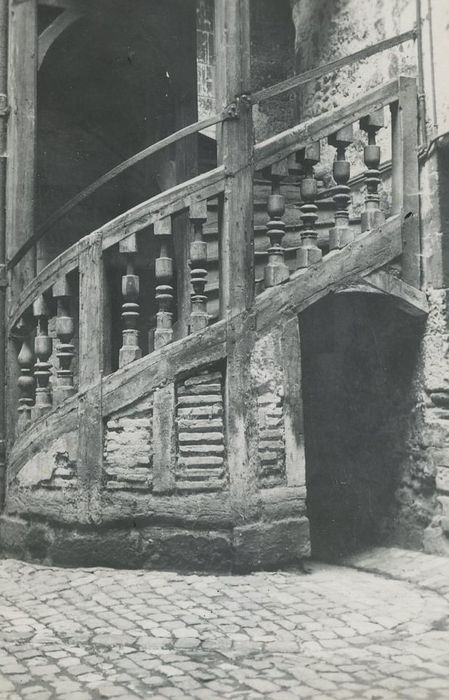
(342, 632)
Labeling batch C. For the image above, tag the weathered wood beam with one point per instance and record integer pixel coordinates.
(336, 271)
(413, 301)
(235, 147)
(90, 420)
(54, 30)
(405, 177)
(22, 82)
(236, 151)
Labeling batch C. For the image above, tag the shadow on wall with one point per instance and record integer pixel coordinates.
(360, 359)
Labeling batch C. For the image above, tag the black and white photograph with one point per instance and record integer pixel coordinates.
(224, 350)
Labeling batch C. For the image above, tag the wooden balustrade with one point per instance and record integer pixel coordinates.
(130, 349)
(372, 216)
(341, 234)
(276, 271)
(164, 285)
(198, 272)
(293, 152)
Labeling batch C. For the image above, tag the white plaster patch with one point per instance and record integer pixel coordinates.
(41, 466)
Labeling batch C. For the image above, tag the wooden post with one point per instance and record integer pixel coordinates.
(43, 347)
(90, 423)
(164, 284)
(235, 148)
(198, 268)
(276, 271)
(65, 350)
(130, 350)
(373, 216)
(405, 177)
(341, 234)
(3, 131)
(186, 157)
(23, 50)
(309, 253)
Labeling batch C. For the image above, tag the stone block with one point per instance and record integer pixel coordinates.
(268, 545)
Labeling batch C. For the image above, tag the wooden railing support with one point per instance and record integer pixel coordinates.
(198, 262)
(276, 271)
(4, 9)
(164, 284)
(130, 349)
(65, 350)
(405, 177)
(372, 217)
(90, 421)
(25, 381)
(341, 234)
(43, 347)
(236, 151)
(236, 146)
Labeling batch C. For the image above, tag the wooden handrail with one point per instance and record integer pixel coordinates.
(318, 72)
(171, 201)
(203, 187)
(291, 140)
(110, 175)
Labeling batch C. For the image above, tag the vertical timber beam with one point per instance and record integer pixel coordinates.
(20, 167)
(235, 151)
(90, 420)
(22, 87)
(186, 158)
(3, 131)
(405, 177)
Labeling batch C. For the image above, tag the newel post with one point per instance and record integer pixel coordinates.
(91, 346)
(235, 148)
(405, 177)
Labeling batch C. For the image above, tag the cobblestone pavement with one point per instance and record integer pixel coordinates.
(336, 633)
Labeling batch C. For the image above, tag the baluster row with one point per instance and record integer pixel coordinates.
(303, 164)
(39, 390)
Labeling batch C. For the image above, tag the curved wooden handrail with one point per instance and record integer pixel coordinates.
(110, 175)
(204, 187)
(171, 201)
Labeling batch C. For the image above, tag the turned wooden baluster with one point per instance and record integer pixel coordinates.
(130, 349)
(276, 271)
(43, 347)
(164, 285)
(198, 273)
(309, 252)
(341, 234)
(25, 382)
(65, 351)
(372, 216)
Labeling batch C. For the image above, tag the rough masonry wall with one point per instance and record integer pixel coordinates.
(266, 369)
(272, 60)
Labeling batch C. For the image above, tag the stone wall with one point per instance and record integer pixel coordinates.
(272, 60)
